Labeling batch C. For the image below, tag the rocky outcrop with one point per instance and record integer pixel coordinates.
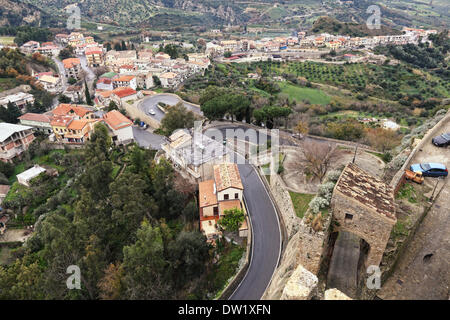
(301, 285)
(304, 249)
(335, 294)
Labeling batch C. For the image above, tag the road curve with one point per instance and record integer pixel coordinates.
(266, 234)
(266, 231)
(151, 102)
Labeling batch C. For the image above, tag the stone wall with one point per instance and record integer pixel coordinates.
(305, 248)
(374, 228)
(397, 180)
(285, 205)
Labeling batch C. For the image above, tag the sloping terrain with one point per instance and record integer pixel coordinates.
(287, 14)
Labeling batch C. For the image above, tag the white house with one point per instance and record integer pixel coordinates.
(121, 127)
(26, 176)
(228, 182)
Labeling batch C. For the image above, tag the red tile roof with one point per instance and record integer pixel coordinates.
(206, 194)
(229, 205)
(78, 124)
(124, 92)
(227, 176)
(104, 80)
(35, 117)
(65, 109)
(94, 50)
(61, 121)
(117, 120)
(368, 190)
(70, 62)
(124, 79)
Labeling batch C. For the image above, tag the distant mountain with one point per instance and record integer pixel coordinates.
(15, 13)
(333, 26)
(284, 14)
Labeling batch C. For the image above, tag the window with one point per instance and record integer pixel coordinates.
(348, 217)
(216, 211)
(226, 197)
(236, 195)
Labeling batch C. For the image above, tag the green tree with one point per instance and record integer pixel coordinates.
(188, 255)
(177, 117)
(156, 81)
(88, 95)
(144, 266)
(112, 106)
(232, 219)
(72, 80)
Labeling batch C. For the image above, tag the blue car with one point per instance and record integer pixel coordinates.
(430, 169)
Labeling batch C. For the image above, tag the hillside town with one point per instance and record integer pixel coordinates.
(220, 164)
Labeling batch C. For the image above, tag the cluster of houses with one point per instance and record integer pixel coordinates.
(144, 65)
(48, 49)
(325, 40)
(67, 123)
(82, 46)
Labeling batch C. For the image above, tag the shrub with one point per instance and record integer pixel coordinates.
(318, 203)
(333, 175)
(326, 190)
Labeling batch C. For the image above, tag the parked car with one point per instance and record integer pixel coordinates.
(414, 176)
(442, 140)
(152, 112)
(430, 169)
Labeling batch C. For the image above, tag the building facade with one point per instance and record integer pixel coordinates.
(14, 140)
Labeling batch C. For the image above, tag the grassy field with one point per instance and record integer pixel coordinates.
(7, 83)
(6, 40)
(384, 81)
(301, 202)
(314, 96)
(4, 255)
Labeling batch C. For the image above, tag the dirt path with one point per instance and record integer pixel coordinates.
(296, 179)
(13, 235)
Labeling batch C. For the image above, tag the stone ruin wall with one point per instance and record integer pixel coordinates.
(304, 250)
(367, 225)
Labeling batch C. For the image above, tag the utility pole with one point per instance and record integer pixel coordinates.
(354, 156)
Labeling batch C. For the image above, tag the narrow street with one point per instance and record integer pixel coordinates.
(90, 75)
(62, 75)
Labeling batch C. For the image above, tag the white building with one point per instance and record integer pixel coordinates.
(26, 176)
(20, 100)
(121, 127)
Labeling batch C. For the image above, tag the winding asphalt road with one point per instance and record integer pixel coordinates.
(151, 103)
(266, 234)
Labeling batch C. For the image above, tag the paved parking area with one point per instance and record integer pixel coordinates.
(147, 139)
(424, 272)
